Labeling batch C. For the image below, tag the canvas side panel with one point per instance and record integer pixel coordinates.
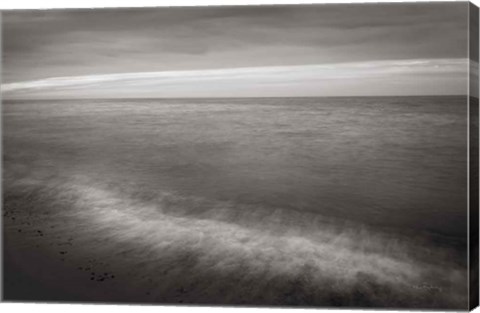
(473, 177)
(1, 159)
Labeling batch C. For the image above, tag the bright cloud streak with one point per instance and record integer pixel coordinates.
(448, 76)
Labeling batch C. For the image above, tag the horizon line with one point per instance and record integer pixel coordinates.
(212, 98)
(329, 79)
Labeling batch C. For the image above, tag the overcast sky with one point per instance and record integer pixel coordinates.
(319, 50)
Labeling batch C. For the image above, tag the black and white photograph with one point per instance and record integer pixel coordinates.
(302, 155)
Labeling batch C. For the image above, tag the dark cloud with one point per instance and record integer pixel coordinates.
(50, 43)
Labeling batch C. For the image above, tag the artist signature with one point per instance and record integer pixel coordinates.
(427, 287)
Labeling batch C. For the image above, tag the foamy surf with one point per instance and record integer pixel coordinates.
(214, 252)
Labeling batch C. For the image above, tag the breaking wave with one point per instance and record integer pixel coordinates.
(113, 243)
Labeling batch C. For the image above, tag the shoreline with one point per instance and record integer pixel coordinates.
(104, 234)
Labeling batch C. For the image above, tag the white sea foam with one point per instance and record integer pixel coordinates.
(318, 259)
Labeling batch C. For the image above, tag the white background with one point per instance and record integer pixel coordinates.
(77, 308)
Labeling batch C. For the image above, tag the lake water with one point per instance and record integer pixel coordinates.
(398, 161)
(391, 165)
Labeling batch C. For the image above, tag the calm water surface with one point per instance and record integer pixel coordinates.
(398, 162)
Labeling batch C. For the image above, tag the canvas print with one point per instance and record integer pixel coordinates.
(320, 155)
